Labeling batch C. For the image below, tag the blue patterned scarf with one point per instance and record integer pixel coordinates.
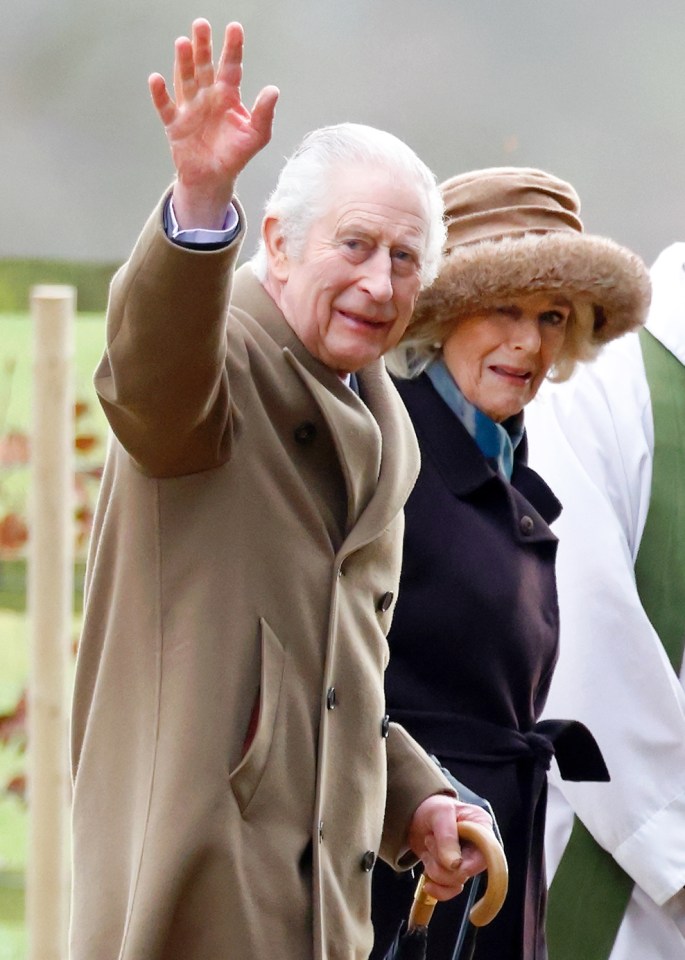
(496, 441)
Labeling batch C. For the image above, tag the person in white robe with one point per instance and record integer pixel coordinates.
(592, 440)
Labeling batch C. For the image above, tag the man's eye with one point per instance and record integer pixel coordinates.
(405, 259)
(354, 244)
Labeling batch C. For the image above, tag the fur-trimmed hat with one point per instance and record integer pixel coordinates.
(516, 230)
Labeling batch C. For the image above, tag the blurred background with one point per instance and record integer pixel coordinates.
(591, 90)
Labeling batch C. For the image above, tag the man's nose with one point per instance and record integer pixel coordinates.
(377, 276)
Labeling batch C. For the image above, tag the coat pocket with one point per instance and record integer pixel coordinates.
(246, 777)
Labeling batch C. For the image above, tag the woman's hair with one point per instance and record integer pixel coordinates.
(300, 195)
(421, 346)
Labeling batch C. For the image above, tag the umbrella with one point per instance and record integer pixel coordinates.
(411, 940)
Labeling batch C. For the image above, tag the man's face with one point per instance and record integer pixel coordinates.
(351, 292)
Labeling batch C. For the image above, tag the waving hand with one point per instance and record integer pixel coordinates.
(212, 135)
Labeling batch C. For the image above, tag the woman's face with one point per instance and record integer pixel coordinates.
(500, 355)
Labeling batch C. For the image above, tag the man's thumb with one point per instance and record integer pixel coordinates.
(449, 852)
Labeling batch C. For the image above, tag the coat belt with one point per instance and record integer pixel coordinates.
(453, 736)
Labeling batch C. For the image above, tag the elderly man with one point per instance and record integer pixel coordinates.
(235, 775)
(612, 443)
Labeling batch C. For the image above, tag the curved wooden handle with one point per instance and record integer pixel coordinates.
(490, 904)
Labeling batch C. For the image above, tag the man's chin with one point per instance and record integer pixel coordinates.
(351, 361)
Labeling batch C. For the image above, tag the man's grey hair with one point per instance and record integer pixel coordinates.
(300, 196)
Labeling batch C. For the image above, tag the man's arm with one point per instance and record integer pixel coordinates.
(163, 380)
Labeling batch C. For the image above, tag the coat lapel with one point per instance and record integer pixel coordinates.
(376, 447)
(400, 462)
(356, 436)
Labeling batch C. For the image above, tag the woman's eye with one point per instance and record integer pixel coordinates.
(552, 318)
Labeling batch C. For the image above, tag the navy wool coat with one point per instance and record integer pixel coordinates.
(473, 647)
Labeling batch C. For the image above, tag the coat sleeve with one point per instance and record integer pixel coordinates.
(162, 381)
(592, 440)
(412, 777)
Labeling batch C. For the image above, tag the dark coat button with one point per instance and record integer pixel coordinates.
(305, 433)
(368, 861)
(331, 699)
(385, 601)
(526, 525)
(320, 831)
(385, 726)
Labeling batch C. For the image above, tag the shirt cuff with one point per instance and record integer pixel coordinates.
(201, 237)
(655, 855)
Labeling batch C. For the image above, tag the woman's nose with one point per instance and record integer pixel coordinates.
(526, 334)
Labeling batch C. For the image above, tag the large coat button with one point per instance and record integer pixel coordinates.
(368, 861)
(385, 601)
(331, 699)
(526, 525)
(385, 726)
(305, 432)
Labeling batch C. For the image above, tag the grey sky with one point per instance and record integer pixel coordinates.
(592, 91)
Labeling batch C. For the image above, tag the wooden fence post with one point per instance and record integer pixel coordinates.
(50, 605)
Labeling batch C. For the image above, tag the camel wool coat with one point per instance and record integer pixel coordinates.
(235, 774)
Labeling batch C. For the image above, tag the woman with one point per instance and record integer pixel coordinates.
(522, 294)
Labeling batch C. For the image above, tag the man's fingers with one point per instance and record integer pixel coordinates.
(185, 82)
(202, 52)
(164, 105)
(444, 882)
(263, 112)
(473, 860)
(447, 849)
(230, 67)
(441, 891)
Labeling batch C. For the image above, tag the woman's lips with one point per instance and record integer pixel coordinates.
(511, 373)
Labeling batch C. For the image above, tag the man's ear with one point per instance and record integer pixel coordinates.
(275, 245)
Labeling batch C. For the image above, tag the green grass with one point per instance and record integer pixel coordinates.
(13, 575)
(14, 659)
(13, 818)
(18, 276)
(16, 358)
(13, 941)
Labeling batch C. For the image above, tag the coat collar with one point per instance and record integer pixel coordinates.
(462, 466)
(378, 454)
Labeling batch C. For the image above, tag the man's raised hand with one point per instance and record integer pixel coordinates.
(212, 135)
